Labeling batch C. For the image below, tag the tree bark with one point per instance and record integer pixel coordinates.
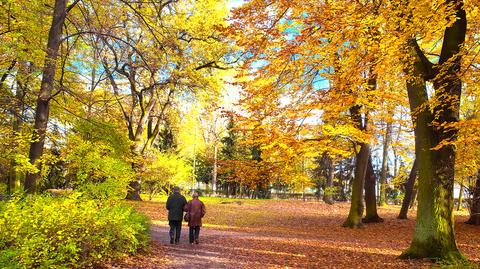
(354, 219)
(328, 172)
(409, 185)
(434, 235)
(371, 214)
(383, 172)
(414, 198)
(45, 94)
(134, 190)
(475, 204)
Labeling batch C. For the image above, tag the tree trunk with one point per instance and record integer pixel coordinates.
(354, 219)
(414, 197)
(327, 162)
(46, 88)
(460, 197)
(22, 78)
(475, 204)
(341, 182)
(214, 172)
(371, 214)
(434, 235)
(384, 171)
(134, 191)
(409, 185)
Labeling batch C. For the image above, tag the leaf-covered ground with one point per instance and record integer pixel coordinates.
(287, 234)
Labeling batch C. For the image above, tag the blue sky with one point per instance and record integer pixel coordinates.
(234, 3)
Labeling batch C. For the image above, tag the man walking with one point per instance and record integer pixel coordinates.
(175, 206)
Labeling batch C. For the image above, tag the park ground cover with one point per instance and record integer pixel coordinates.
(242, 233)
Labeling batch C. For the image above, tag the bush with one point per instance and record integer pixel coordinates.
(94, 168)
(67, 232)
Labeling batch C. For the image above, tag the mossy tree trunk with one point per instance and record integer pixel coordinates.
(371, 214)
(434, 235)
(409, 186)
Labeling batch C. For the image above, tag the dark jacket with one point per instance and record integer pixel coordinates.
(175, 205)
(197, 211)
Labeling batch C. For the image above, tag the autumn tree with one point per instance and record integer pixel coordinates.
(434, 234)
(60, 12)
(158, 63)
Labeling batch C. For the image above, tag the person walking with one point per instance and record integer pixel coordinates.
(196, 209)
(175, 206)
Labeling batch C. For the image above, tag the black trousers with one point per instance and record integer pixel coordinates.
(175, 230)
(194, 233)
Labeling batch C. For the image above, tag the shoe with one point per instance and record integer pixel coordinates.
(171, 241)
(196, 241)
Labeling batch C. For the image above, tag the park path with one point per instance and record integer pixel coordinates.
(221, 248)
(210, 253)
(290, 234)
(218, 248)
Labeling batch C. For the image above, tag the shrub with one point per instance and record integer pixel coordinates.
(93, 168)
(67, 232)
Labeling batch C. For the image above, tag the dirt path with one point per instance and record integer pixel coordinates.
(208, 254)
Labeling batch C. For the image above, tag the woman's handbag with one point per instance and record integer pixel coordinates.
(186, 217)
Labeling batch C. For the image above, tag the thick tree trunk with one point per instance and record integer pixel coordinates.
(475, 204)
(409, 185)
(134, 191)
(43, 100)
(371, 214)
(384, 171)
(354, 219)
(434, 235)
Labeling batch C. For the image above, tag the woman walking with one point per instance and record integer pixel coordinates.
(196, 209)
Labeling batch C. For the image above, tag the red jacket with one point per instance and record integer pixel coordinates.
(197, 211)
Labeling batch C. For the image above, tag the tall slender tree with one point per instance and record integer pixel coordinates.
(60, 11)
